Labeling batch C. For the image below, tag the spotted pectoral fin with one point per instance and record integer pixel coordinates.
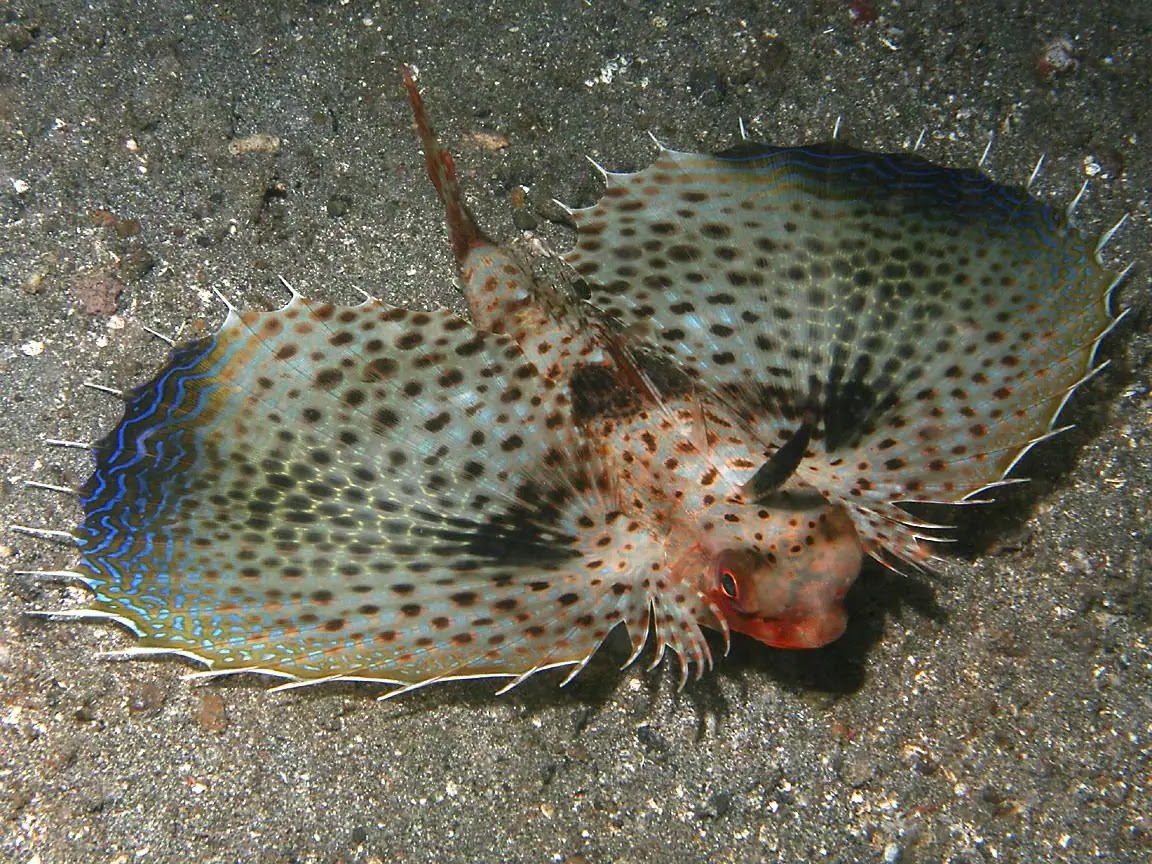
(928, 322)
(353, 492)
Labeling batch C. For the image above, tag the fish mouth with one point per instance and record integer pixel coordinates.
(798, 630)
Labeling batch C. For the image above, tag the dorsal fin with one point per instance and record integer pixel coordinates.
(462, 228)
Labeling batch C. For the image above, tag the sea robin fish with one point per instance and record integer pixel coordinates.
(758, 357)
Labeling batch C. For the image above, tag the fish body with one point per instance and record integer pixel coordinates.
(779, 346)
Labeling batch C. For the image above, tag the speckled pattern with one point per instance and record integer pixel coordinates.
(997, 710)
(929, 322)
(368, 492)
(324, 491)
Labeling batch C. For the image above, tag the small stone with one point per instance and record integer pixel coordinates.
(260, 143)
(338, 205)
(146, 699)
(856, 768)
(16, 37)
(136, 263)
(212, 713)
(524, 220)
(126, 228)
(97, 292)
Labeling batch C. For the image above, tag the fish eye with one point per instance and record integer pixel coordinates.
(730, 568)
(728, 584)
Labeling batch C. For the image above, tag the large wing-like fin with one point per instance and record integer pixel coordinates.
(358, 492)
(927, 322)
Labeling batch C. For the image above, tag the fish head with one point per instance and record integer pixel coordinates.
(785, 586)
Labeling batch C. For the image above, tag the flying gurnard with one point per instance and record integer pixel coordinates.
(754, 360)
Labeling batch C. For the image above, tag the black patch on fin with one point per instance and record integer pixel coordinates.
(519, 538)
(846, 408)
(852, 404)
(601, 391)
(598, 392)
